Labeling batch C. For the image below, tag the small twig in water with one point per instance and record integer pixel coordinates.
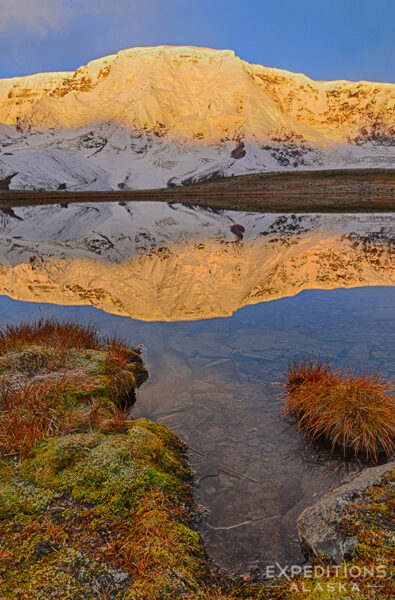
(245, 523)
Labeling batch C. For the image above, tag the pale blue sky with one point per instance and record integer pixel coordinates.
(326, 39)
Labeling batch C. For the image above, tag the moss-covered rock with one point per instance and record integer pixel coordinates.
(92, 508)
(95, 515)
(92, 504)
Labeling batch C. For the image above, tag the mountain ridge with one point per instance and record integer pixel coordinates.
(151, 115)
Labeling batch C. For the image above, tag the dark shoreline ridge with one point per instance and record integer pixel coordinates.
(338, 190)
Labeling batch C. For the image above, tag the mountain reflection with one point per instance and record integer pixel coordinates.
(155, 262)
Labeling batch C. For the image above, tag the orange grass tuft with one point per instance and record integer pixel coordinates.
(27, 416)
(354, 411)
(51, 332)
(114, 420)
(59, 335)
(44, 393)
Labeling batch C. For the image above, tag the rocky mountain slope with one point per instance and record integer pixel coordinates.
(160, 262)
(151, 117)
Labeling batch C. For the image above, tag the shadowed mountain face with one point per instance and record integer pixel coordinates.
(156, 262)
(151, 117)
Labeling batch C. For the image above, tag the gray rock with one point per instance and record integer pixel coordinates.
(319, 525)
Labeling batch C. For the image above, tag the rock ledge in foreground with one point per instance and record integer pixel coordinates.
(319, 525)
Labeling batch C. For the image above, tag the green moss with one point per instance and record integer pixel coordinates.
(101, 468)
(20, 496)
(371, 521)
(68, 575)
(118, 503)
(101, 507)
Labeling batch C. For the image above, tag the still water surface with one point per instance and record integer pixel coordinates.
(159, 272)
(217, 383)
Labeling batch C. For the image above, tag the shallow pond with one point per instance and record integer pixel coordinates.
(217, 381)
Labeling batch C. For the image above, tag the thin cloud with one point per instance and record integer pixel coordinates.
(44, 16)
(39, 15)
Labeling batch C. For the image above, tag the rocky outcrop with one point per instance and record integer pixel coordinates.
(319, 526)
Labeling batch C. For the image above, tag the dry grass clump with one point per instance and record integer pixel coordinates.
(51, 332)
(33, 411)
(28, 415)
(353, 411)
(58, 335)
(58, 378)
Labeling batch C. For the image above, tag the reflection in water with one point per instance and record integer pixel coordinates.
(216, 383)
(155, 262)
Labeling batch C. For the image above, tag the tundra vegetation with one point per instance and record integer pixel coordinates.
(92, 503)
(96, 505)
(352, 411)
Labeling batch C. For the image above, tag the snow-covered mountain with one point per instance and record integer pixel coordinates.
(152, 117)
(152, 261)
